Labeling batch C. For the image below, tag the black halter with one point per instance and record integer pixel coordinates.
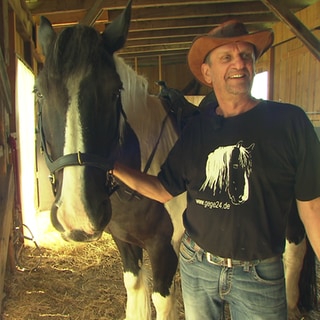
(79, 158)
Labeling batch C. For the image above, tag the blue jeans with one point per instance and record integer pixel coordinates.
(255, 292)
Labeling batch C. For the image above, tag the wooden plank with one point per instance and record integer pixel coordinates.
(11, 69)
(6, 212)
(3, 139)
(5, 25)
(93, 14)
(5, 83)
(61, 6)
(297, 27)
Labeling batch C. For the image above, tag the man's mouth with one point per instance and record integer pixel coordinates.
(237, 76)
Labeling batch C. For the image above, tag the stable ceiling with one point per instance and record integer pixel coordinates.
(167, 28)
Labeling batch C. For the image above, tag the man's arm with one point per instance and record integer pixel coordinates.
(309, 212)
(147, 185)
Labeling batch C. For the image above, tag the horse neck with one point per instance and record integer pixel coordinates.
(146, 115)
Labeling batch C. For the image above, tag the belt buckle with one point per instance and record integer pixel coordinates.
(208, 256)
(226, 262)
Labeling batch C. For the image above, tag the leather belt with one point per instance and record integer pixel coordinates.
(227, 262)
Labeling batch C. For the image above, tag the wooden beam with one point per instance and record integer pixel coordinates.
(192, 11)
(253, 22)
(5, 26)
(5, 83)
(172, 48)
(93, 14)
(74, 5)
(6, 212)
(24, 22)
(296, 26)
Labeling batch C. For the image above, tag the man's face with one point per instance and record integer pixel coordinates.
(230, 68)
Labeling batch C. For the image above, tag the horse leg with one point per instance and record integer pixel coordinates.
(164, 263)
(293, 263)
(135, 281)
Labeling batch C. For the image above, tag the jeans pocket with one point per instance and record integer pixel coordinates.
(187, 253)
(269, 273)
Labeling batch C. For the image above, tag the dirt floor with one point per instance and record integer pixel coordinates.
(75, 282)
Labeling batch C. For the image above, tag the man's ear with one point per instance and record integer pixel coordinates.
(205, 70)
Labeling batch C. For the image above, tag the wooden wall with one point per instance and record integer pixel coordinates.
(16, 30)
(296, 72)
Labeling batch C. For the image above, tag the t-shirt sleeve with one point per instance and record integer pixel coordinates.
(307, 186)
(171, 174)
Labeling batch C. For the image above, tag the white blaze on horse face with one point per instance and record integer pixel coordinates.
(71, 212)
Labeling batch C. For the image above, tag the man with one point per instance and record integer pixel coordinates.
(242, 166)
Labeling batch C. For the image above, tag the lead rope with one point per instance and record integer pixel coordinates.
(148, 164)
(132, 193)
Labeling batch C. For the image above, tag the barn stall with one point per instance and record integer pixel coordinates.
(67, 281)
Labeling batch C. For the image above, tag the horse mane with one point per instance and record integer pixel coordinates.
(135, 87)
(218, 166)
(145, 114)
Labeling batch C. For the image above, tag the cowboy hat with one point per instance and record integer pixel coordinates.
(228, 32)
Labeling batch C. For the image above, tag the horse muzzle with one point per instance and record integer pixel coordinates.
(81, 224)
(81, 236)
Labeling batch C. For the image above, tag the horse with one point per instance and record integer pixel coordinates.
(90, 107)
(228, 169)
(93, 110)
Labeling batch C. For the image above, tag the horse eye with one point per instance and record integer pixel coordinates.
(38, 93)
(116, 95)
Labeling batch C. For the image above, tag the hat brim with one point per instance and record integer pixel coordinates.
(202, 45)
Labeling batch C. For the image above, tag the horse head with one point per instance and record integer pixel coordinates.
(78, 91)
(239, 172)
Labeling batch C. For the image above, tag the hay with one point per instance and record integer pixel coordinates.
(76, 281)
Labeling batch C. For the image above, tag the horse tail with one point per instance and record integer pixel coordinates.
(308, 281)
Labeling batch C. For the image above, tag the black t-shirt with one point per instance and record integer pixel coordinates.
(241, 175)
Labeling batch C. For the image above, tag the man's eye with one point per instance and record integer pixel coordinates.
(247, 56)
(225, 58)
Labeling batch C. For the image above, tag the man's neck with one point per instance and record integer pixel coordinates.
(233, 107)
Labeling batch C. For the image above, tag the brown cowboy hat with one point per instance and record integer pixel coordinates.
(230, 31)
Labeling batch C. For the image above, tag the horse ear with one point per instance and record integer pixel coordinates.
(46, 34)
(115, 34)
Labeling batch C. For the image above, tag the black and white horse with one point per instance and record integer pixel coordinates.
(93, 109)
(228, 169)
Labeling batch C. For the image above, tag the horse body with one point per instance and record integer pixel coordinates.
(94, 109)
(150, 226)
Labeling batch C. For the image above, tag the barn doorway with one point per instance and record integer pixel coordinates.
(25, 134)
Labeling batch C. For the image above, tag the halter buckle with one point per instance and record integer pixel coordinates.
(52, 178)
(79, 158)
(111, 183)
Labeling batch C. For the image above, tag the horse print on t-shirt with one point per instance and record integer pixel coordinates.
(228, 169)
